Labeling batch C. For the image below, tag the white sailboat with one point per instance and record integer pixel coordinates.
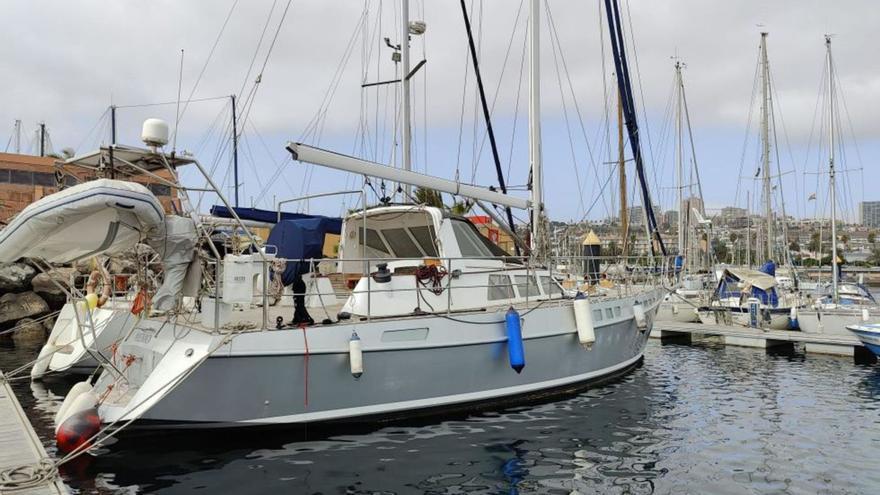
(691, 290)
(436, 318)
(839, 304)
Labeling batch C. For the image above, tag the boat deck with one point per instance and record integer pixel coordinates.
(19, 444)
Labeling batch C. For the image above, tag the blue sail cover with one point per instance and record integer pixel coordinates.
(301, 239)
(769, 268)
(256, 214)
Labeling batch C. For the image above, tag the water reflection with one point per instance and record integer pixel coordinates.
(694, 418)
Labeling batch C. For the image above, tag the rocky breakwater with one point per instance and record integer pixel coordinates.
(26, 296)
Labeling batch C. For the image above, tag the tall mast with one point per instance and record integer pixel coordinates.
(679, 159)
(831, 171)
(535, 126)
(748, 230)
(765, 140)
(404, 85)
(621, 167)
(235, 149)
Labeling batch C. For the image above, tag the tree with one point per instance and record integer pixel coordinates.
(814, 244)
(794, 247)
(721, 251)
(871, 237)
(733, 237)
(429, 197)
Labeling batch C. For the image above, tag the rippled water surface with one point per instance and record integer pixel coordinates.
(698, 418)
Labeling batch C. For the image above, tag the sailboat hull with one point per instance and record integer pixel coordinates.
(410, 366)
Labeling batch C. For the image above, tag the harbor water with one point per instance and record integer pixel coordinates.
(699, 418)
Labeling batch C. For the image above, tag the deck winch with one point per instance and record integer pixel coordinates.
(515, 352)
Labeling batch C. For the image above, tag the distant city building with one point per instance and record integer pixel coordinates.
(687, 207)
(869, 213)
(26, 178)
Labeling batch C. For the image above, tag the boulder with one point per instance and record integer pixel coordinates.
(15, 307)
(16, 277)
(44, 286)
(29, 331)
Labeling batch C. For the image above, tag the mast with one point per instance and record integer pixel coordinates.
(679, 158)
(112, 124)
(404, 81)
(18, 136)
(748, 230)
(535, 127)
(831, 171)
(621, 168)
(42, 139)
(234, 149)
(487, 117)
(765, 140)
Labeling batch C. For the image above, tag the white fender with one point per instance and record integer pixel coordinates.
(866, 315)
(583, 317)
(639, 314)
(86, 400)
(675, 309)
(75, 392)
(355, 356)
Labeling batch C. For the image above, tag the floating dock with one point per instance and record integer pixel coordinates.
(840, 345)
(20, 447)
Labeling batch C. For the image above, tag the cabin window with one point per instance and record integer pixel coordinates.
(597, 315)
(609, 313)
(616, 310)
(4, 175)
(373, 240)
(401, 244)
(551, 286)
(468, 243)
(527, 286)
(500, 287)
(425, 237)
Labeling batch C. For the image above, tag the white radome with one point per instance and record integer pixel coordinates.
(155, 132)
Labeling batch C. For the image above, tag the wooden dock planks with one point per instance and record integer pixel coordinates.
(19, 443)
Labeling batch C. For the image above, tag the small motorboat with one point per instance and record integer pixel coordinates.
(869, 334)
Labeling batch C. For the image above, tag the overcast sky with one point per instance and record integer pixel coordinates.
(65, 62)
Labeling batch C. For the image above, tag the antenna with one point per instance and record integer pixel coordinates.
(177, 109)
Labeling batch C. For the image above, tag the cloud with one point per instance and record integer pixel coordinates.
(64, 62)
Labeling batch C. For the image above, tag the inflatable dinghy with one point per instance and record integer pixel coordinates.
(88, 219)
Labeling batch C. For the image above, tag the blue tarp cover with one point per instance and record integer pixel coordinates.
(301, 239)
(256, 214)
(769, 268)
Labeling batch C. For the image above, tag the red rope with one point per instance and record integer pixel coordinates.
(433, 274)
(306, 364)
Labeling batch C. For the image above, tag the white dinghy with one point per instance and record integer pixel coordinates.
(103, 216)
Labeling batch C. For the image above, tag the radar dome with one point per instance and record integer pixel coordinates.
(155, 132)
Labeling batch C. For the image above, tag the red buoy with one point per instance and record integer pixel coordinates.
(77, 430)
